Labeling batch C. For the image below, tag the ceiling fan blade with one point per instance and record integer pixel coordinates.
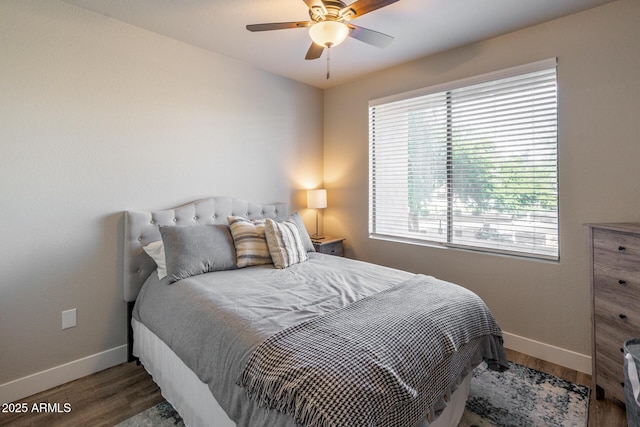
(360, 7)
(278, 26)
(371, 37)
(314, 52)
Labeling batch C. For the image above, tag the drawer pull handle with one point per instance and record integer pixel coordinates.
(622, 282)
(622, 248)
(622, 316)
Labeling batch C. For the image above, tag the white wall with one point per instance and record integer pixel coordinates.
(97, 117)
(544, 307)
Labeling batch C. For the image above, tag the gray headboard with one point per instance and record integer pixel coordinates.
(141, 228)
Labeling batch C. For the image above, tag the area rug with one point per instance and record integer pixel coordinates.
(524, 397)
(519, 397)
(161, 415)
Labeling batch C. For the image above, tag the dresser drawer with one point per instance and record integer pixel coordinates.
(610, 338)
(609, 282)
(625, 318)
(615, 250)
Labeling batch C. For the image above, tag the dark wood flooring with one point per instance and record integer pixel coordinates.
(113, 395)
(102, 399)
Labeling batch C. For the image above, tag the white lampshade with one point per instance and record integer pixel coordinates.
(317, 199)
(328, 33)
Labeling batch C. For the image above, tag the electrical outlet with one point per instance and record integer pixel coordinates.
(69, 318)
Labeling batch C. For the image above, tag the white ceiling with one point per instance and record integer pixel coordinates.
(420, 28)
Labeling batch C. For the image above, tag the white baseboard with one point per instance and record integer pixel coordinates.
(40, 381)
(559, 356)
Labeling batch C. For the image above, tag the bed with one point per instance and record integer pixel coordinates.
(294, 338)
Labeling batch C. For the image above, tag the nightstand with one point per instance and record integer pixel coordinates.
(329, 245)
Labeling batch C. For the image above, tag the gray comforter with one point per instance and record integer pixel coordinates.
(215, 321)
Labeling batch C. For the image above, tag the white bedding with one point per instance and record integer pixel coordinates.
(195, 403)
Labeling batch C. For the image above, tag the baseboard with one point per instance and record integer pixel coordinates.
(40, 381)
(559, 356)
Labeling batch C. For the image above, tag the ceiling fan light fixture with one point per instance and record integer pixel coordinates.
(328, 33)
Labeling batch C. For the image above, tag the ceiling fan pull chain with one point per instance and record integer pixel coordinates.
(328, 61)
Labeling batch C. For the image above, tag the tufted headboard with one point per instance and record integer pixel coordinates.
(141, 228)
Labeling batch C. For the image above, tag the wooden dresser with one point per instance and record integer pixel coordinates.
(615, 291)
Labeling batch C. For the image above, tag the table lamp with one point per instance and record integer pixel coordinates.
(317, 199)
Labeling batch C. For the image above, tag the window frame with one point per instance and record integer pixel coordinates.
(446, 88)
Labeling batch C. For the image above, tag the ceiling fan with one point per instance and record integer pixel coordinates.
(330, 24)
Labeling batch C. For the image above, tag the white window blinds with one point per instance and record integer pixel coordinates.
(469, 164)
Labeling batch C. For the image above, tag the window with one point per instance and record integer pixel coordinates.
(470, 164)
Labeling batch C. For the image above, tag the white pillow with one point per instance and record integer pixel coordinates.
(156, 251)
(285, 243)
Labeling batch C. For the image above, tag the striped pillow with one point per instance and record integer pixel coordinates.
(250, 242)
(285, 243)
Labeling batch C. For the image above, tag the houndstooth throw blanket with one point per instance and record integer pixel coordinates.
(382, 361)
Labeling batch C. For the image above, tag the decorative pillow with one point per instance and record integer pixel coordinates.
(304, 235)
(250, 241)
(198, 249)
(285, 243)
(156, 251)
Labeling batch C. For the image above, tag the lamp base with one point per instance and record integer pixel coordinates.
(317, 235)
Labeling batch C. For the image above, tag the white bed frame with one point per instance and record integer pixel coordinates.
(179, 385)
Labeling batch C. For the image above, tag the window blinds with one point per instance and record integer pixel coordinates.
(470, 164)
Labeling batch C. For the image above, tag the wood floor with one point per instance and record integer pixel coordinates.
(102, 399)
(111, 396)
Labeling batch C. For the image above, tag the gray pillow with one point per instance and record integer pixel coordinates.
(304, 235)
(198, 249)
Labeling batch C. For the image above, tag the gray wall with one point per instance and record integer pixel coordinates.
(97, 117)
(545, 304)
